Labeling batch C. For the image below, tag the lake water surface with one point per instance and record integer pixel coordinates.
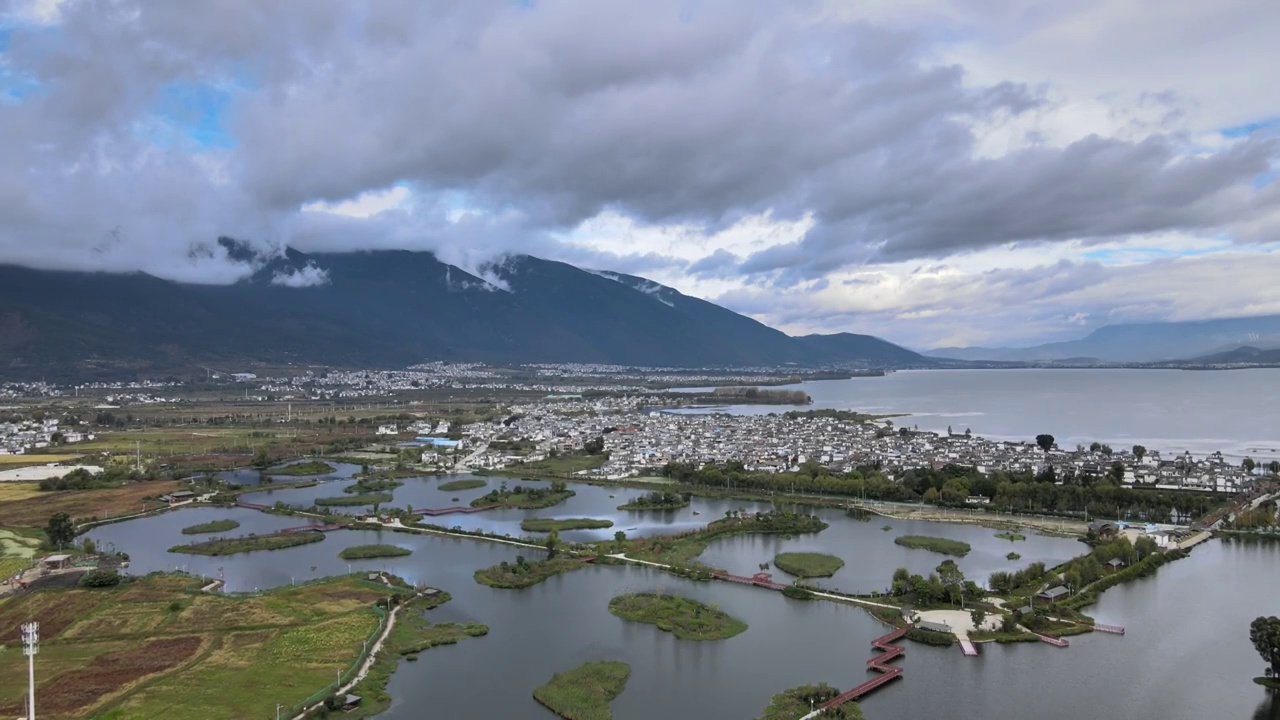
(1186, 655)
(1236, 411)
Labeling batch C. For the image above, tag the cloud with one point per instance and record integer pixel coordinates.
(308, 276)
(735, 148)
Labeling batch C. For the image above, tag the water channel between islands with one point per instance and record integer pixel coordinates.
(1189, 621)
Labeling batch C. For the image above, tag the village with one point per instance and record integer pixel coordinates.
(637, 438)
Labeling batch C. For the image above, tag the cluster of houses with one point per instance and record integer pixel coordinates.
(27, 436)
(638, 437)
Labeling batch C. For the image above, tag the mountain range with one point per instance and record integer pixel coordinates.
(388, 308)
(1139, 342)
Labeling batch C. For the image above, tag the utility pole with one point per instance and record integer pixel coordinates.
(31, 646)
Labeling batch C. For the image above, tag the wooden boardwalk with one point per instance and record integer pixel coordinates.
(879, 663)
(968, 648)
(764, 580)
(433, 512)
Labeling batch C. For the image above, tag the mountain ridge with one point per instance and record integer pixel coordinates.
(1135, 342)
(389, 308)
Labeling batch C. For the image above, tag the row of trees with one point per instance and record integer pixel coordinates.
(953, 484)
(946, 584)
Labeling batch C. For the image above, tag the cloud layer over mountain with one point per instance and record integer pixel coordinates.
(879, 167)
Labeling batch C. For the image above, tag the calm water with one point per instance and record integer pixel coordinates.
(1168, 410)
(590, 501)
(1186, 655)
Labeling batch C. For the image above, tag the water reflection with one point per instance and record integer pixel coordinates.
(1186, 654)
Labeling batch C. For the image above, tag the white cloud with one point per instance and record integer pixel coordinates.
(364, 205)
(307, 276)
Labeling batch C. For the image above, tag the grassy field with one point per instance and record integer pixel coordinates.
(584, 693)
(152, 649)
(794, 704)
(248, 543)
(933, 544)
(549, 524)
(808, 564)
(561, 466)
(17, 549)
(365, 552)
(454, 485)
(523, 574)
(10, 491)
(682, 549)
(525, 498)
(20, 460)
(685, 618)
(354, 500)
(81, 504)
(211, 527)
(309, 467)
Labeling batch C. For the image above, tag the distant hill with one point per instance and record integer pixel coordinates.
(389, 309)
(1246, 355)
(1143, 342)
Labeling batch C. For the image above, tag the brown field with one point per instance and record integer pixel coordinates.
(155, 648)
(107, 674)
(80, 504)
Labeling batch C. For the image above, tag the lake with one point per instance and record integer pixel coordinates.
(1186, 654)
(1166, 410)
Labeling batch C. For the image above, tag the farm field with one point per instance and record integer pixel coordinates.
(34, 511)
(152, 648)
(18, 491)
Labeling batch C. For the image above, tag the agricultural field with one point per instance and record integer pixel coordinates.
(34, 511)
(18, 490)
(17, 549)
(21, 460)
(155, 648)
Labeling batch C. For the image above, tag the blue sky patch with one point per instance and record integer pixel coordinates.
(1240, 131)
(198, 111)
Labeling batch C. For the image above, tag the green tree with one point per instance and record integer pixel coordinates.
(619, 537)
(978, 616)
(60, 530)
(1045, 441)
(952, 581)
(553, 543)
(1249, 465)
(1139, 452)
(261, 459)
(1264, 633)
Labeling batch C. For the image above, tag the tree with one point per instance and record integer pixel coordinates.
(1274, 467)
(61, 530)
(952, 581)
(553, 543)
(1249, 465)
(1264, 633)
(261, 459)
(1139, 452)
(594, 447)
(1045, 441)
(619, 537)
(978, 616)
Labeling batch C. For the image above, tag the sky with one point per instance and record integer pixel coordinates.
(935, 172)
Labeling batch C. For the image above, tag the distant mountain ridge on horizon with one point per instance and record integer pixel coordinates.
(390, 308)
(1136, 342)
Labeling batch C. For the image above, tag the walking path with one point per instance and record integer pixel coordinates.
(368, 661)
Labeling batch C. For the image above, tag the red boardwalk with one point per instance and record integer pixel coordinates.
(889, 652)
(764, 580)
(309, 528)
(451, 510)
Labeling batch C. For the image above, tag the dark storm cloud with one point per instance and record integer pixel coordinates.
(532, 118)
